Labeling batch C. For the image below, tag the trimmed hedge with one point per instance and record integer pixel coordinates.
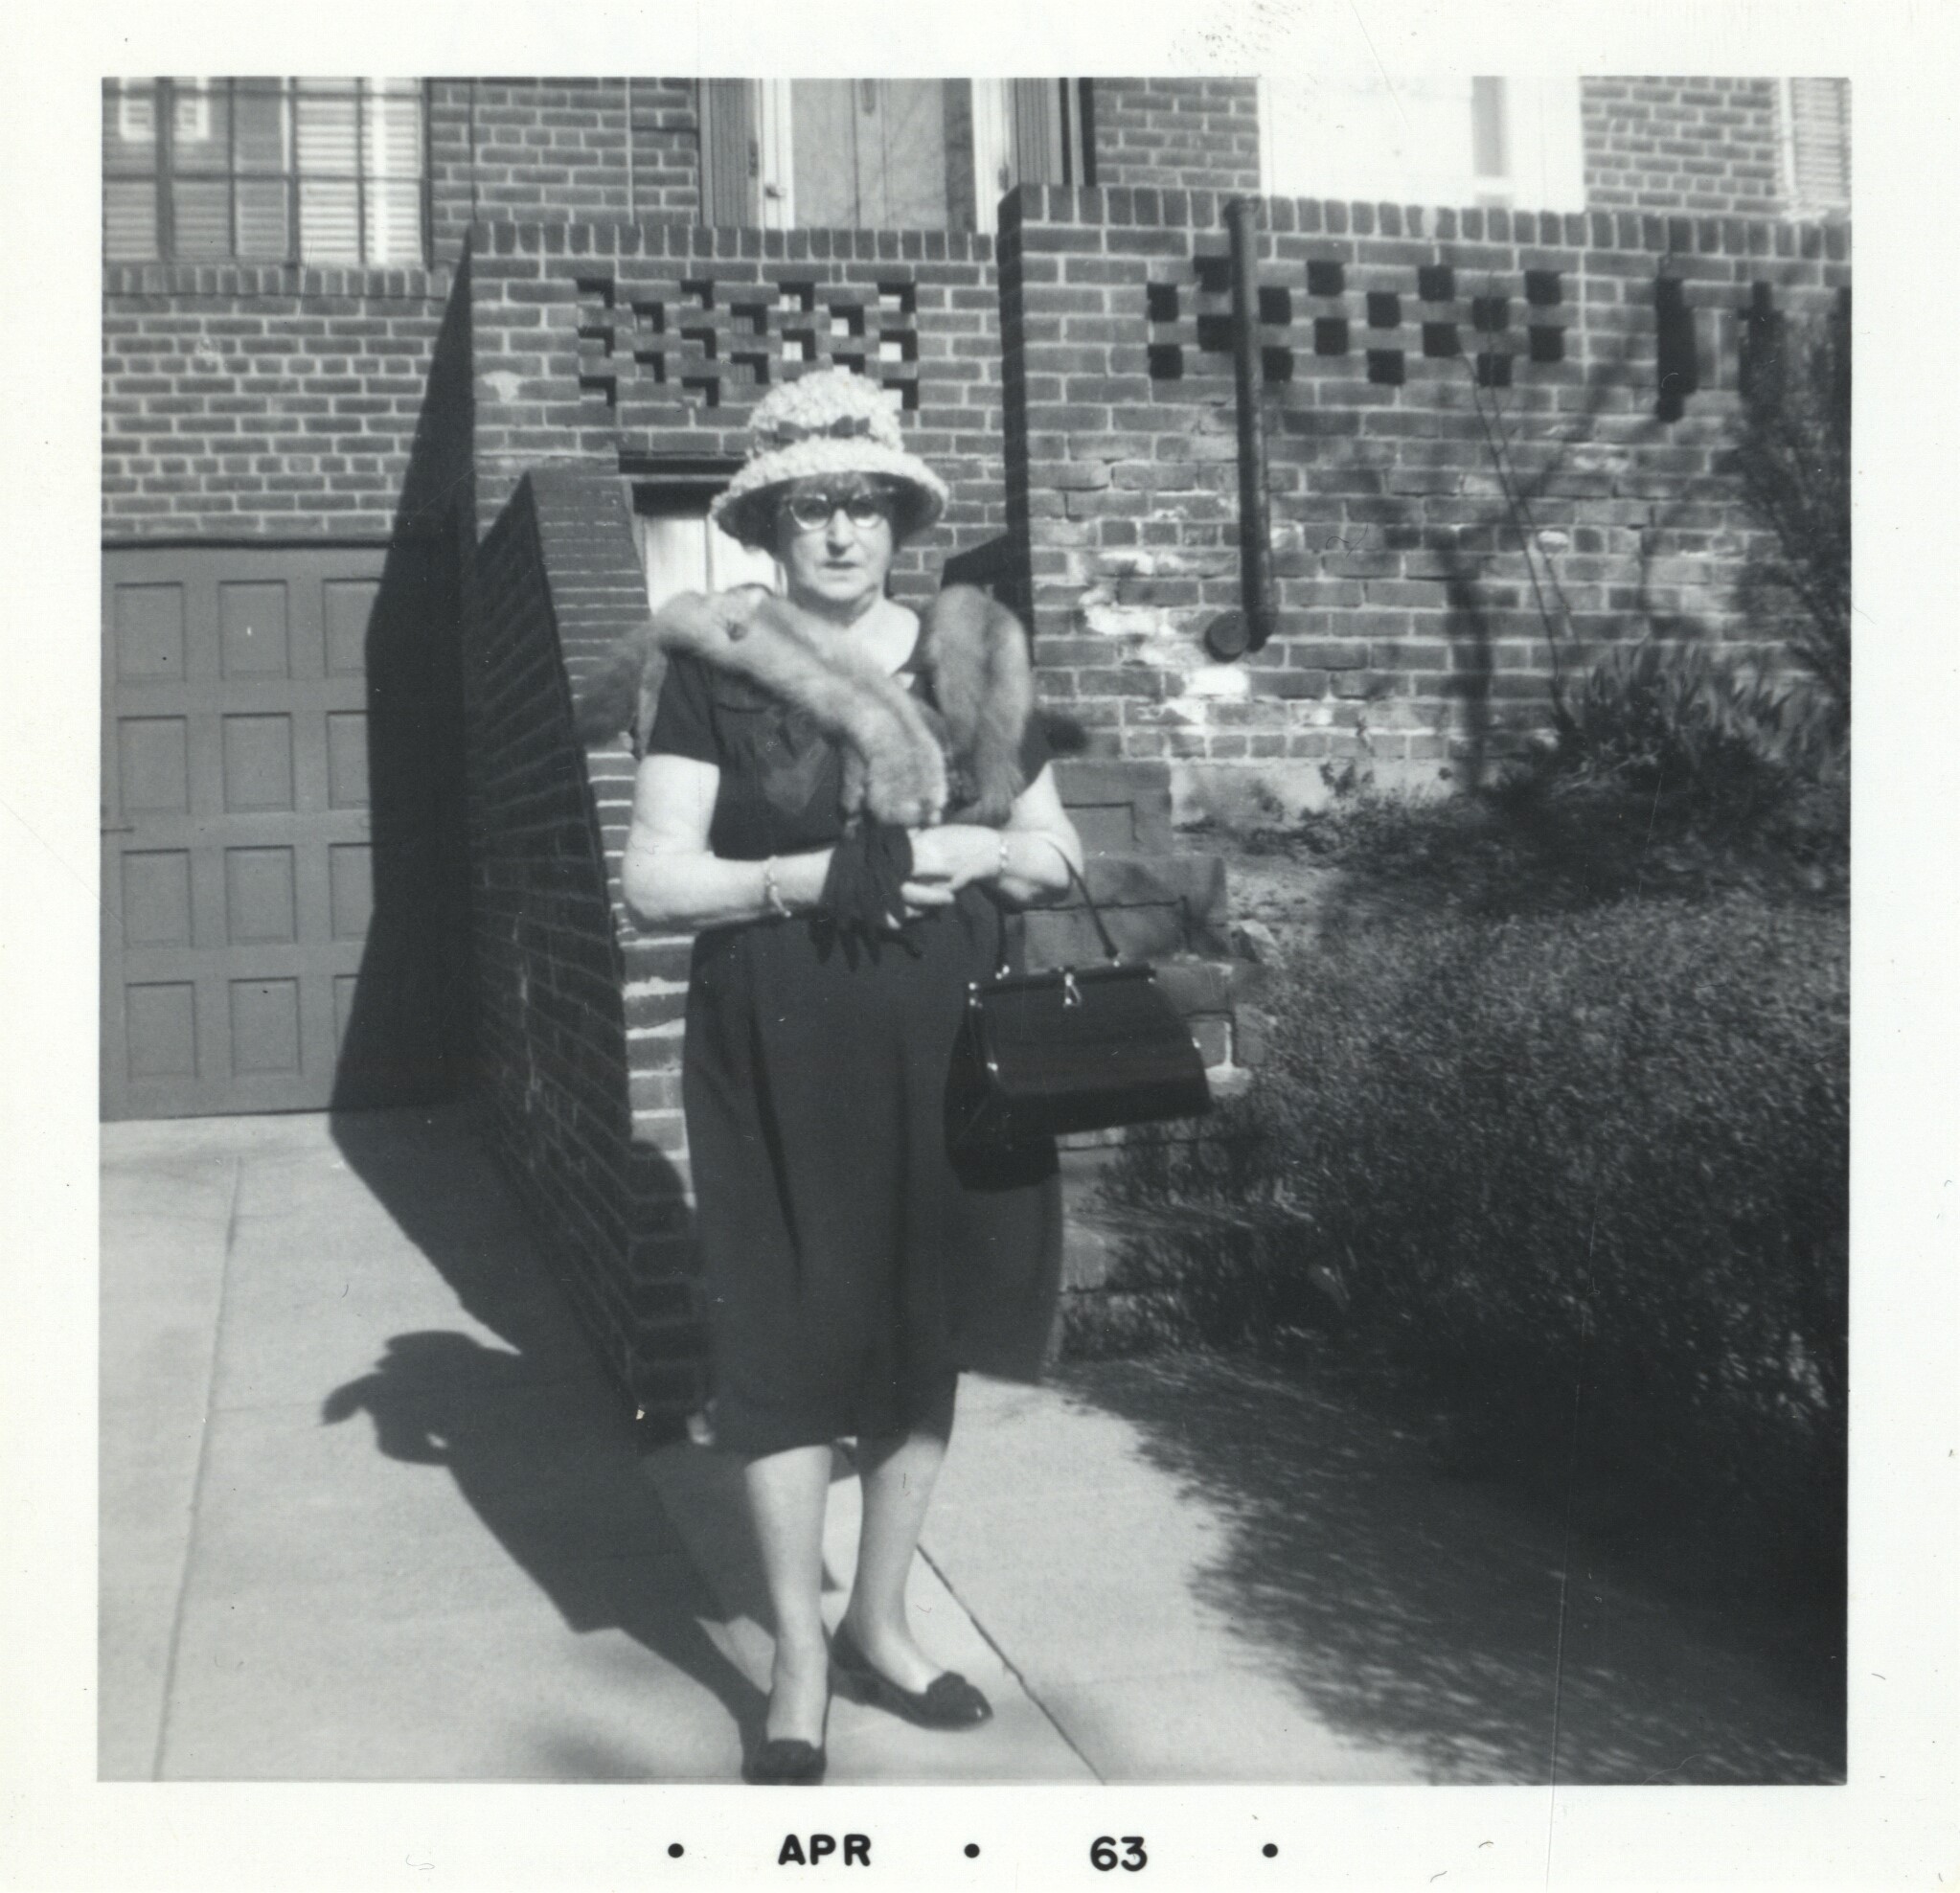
(1585, 1170)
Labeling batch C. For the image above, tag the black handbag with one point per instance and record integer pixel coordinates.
(1077, 1048)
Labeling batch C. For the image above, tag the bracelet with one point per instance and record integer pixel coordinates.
(1000, 871)
(773, 901)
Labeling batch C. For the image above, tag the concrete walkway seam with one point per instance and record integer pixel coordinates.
(231, 1236)
(1007, 1662)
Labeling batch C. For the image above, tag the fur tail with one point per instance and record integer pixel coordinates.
(976, 654)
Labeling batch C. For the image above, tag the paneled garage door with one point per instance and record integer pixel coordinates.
(241, 850)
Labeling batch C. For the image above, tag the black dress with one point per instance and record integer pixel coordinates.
(852, 1266)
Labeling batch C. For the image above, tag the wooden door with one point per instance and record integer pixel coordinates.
(870, 153)
(240, 867)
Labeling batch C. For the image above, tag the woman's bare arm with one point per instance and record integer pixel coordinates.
(669, 875)
(1037, 833)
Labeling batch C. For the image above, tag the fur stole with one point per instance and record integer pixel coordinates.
(905, 761)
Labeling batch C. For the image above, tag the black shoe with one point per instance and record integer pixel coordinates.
(948, 1701)
(787, 1761)
(784, 1762)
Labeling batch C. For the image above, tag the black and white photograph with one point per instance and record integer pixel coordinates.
(969, 931)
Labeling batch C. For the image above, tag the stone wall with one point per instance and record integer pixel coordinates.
(1437, 388)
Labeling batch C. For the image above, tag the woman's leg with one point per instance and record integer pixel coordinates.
(899, 1473)
(787, 1493)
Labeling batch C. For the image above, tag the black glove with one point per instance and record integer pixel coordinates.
(863, 895)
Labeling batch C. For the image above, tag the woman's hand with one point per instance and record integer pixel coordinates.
(947, 858)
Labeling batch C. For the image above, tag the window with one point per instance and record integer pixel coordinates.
(681, 550)
(327, 170)
(1504, 143)
(1490, 129)
(1816, 145)
(884, 154)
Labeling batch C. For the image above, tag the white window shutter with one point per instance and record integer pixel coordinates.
(1817, 144)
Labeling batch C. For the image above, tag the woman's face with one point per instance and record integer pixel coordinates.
(830, 560)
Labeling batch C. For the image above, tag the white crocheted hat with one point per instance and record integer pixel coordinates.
(830, 421)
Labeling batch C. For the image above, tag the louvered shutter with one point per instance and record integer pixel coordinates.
(1038, 145)
(1820, 144)
(728, 187)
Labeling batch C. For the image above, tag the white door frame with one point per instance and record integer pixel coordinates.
(776, 147)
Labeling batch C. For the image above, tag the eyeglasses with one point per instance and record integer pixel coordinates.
(813, 511)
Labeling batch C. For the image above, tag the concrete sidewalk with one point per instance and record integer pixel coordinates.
(370, 1511)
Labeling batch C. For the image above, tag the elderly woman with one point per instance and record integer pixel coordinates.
(844, 898)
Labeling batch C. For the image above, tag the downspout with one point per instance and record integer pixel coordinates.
(1234, 632)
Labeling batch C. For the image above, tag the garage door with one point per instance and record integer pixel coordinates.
(265, 947)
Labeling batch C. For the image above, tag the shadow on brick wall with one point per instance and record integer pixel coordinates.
(496, 968)
(404, 1026)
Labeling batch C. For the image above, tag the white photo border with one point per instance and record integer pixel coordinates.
(1894, 1823)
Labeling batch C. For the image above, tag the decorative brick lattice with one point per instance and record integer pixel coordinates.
(648, 347)
(1315, 313)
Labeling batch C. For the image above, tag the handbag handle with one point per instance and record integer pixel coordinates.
(1109, 946)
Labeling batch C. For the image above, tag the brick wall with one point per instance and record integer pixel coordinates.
(242, 401)
(667, 150)
(1197, 134)
(621, 348)
(1392, 342)
(579, 1017)
(560, 150)
(1697, 144)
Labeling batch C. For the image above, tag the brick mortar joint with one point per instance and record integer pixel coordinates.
(1066, 206)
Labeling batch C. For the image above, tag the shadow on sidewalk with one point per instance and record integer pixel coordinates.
(535, 1439)
(1419, 1610)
